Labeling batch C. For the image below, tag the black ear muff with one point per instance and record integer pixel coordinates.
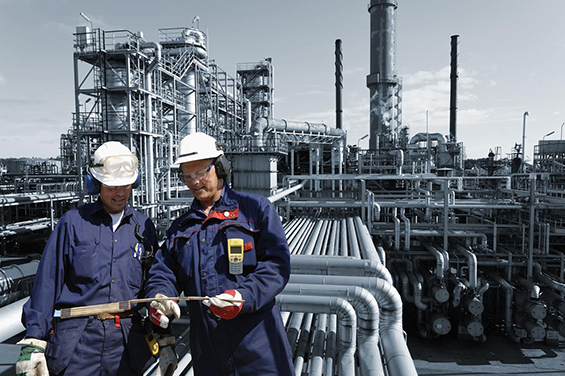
(91, 185)
(223, 167)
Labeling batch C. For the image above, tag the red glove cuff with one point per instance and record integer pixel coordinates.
(229, 312)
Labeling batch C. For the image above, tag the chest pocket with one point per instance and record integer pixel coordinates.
(136, 252)
(84, 262)
(246, 232)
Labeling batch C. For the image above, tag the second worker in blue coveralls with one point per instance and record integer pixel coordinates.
(226, 338)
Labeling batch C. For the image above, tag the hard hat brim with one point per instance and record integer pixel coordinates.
(114, 181)
(196, 157)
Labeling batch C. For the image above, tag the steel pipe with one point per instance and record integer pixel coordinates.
(347, 323)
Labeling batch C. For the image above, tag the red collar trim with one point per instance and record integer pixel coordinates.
(224, 214)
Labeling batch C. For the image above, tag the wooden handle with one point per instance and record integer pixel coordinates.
(117, 307)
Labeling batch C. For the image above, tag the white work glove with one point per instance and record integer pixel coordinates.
(32, 358)
(167, 356)
(222, 308)
(159, 310)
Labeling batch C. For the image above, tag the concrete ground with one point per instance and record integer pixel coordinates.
(446, 356)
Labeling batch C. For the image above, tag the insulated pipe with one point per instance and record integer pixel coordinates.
(472, 262)
(347, 323)
(285, 193)
(405, 282)
(533, 328)
(536, 310)
(12, 200)
(293, 331)
(417, 287)
(509, 289)
(303, 345)
(309, 250)
(556, 323)
(420, 137)
(338, 265)
(368, 250)
(318, 241)
(397, 355)
(377, 208)
(533, 289)
(547, 280)
(344, 246)
(484, 286)
(11, 320)
(297, 241)
(458, 290)
(157, 59)
(331, 346)
(406, 229)
(317, 362)
(333, 239)
(262, 126)
(554, 300)
(353, 242)
(466, 234)
(367, 311)
(396, 228)
(440, 262)
(11, 275)
(292, 228)
(382, 254)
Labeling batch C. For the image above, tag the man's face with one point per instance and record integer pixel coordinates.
(114, 199)
(200, 177)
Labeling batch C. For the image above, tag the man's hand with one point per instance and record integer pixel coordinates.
(32, 358)
(159, 310)
(222, 308)
(167, 356)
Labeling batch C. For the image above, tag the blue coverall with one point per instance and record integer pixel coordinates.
(194, 260)
(85, 263)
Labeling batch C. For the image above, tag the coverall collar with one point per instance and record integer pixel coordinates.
(98, 208)
(226, 207)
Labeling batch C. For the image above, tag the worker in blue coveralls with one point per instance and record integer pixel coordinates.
(202, 257)
(96, 254)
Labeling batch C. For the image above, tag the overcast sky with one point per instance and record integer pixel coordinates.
(511, 60)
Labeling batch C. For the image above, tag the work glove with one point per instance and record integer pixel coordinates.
(167, 356)
(32, 358)
(224, 309)
(159, 310)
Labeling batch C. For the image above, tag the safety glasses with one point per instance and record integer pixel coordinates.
(195, 176)
(118, 188)
(114, 164)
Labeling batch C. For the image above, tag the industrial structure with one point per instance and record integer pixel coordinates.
(407, 228)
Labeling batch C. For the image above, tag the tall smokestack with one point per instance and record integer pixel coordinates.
(338, 84)
(381, 81)
(453, 97)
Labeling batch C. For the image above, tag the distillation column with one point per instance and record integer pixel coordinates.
(382, 81)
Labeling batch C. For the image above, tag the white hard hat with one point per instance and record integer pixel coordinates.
(114, 165)
(198, 146)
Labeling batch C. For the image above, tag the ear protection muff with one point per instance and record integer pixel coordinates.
(137, 181)
(92, 186)
(223, 167)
